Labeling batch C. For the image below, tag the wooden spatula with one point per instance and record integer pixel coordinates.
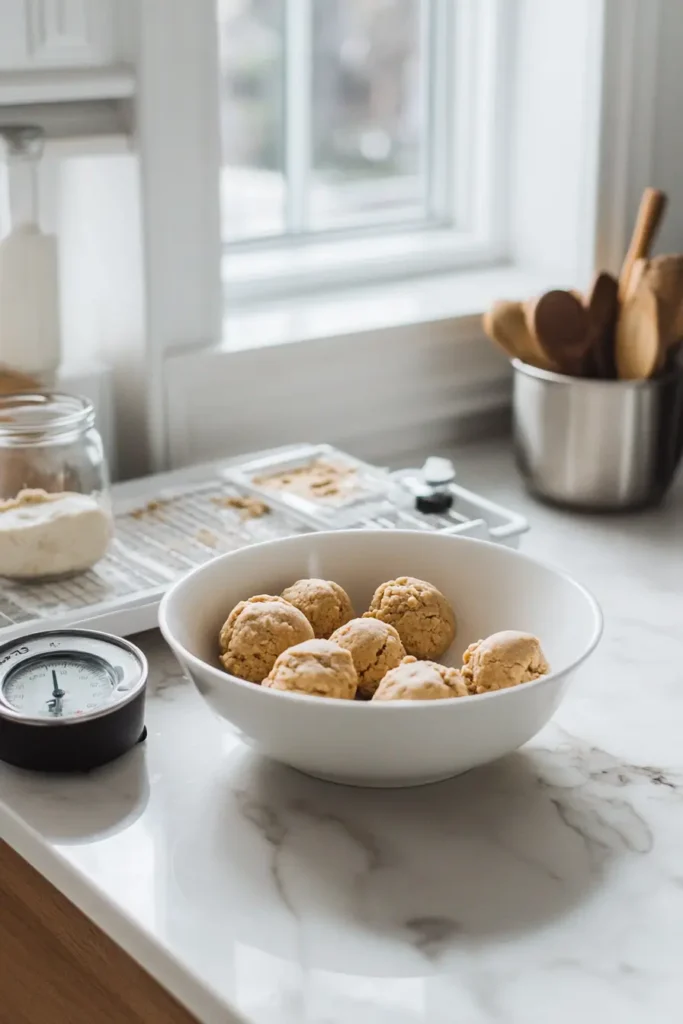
(500, 324)
(639, 350)
(636, 276)
(558, 322)
(665, 274)
(506, 324)
(603, 311)
(650, 213)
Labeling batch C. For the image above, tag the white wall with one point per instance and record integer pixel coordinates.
(102, 284)
(555, 110)
(641, 139)
(667, 139)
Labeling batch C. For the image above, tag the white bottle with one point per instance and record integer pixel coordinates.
(30, 340)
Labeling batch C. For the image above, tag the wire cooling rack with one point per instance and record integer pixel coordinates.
(166, 525)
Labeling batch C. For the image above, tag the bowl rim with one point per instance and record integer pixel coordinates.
(222, 676)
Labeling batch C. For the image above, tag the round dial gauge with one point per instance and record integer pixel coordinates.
(70, 699)
(55, 687)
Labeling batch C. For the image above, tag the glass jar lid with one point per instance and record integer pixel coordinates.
(28, 419)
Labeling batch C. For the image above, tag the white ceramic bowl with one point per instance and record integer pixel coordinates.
(387, 744)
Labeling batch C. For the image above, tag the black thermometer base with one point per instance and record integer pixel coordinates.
(79, 747)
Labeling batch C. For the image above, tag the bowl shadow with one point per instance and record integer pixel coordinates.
(491, 854)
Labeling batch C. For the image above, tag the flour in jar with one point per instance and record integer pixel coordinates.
(47, 535)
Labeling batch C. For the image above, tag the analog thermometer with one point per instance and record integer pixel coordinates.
(70, 699)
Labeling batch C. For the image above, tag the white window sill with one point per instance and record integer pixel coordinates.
(382, 307)
(66, 85)
(379, 370)
(353, 261)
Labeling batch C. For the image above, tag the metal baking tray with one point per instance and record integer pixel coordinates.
(168, 524)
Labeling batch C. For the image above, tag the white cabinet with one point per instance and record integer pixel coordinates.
(41, 34)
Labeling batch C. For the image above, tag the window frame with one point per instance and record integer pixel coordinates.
(468, 43)
(190, 315)
(185, 390)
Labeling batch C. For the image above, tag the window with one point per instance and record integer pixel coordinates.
(348, 120)
(485, 142)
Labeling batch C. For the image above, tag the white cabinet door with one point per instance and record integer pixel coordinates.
(56, 33)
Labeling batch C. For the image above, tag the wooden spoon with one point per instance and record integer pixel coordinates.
(505, 323)
(603, 311)
(639, 351)
(650, 213)
(636, 276)
(500, 324)
(665, 274)
(559, 323)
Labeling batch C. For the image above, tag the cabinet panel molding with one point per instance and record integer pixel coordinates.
(56, 33)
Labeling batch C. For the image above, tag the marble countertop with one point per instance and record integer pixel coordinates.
(545, 887)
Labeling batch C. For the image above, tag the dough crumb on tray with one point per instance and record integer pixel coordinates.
(248, 508)
(151, 508)
(320, 480)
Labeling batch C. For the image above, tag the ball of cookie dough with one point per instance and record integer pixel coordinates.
(419, 612)
(256, 631)
(316, 667)
(421, 680)
(325, 604)
(503, 660)
(375, 647)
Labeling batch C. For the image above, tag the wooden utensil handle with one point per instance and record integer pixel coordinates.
(650, 213)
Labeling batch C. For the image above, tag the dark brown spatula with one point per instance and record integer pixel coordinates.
(603, 312)
(559, 323)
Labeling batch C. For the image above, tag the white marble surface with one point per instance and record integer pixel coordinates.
(545, 888)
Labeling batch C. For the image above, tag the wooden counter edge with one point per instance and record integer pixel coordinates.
(57, 967)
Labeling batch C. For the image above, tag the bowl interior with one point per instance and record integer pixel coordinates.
(490, 587)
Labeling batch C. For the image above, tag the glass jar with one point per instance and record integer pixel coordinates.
(55, 512)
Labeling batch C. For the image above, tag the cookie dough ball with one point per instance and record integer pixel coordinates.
(375, 647)
(256, 631)
(503, 660)
(421, 680)
(325, 604)
(419, 612)
(316, 667)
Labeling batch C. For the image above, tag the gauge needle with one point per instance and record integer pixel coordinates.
(57, 693)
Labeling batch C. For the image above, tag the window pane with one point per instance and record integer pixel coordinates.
(251, 34)
(368, 131)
